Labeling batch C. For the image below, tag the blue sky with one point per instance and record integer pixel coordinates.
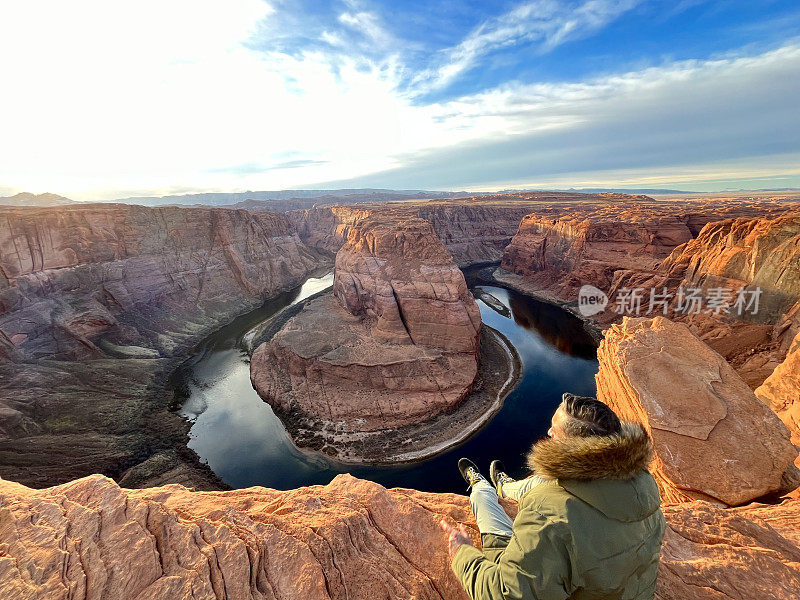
(154, 97)
(528, 42)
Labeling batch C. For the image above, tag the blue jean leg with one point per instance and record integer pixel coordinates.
(490, 516)
(516, 489)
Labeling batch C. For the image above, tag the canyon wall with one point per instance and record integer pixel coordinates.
(557, 249)
(326, 228)
(90, 281)
(396, 343)
(732, 253)
(475, 233)
(351, 539)
(473, 230)
(760, 257)
(559, 255)
(650, 247)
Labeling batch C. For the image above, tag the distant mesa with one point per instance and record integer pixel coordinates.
(28, 199)
(288, 199)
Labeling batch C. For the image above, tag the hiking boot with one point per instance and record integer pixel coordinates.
(497, 474)
(469, 471)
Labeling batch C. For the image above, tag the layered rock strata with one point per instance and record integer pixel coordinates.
(396, 343)
(557, 249)
(652, 249)
(143, 280)
(713, 438)
(475, 233)
(753, 267)
(350, 539)
(733, 253)
(565, 253)
(474, 230)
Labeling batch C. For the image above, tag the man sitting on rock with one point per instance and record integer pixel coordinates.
(589, 523)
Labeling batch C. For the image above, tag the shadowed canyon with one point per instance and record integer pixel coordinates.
(402, 358)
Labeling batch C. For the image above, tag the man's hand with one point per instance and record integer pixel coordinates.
(456, 537)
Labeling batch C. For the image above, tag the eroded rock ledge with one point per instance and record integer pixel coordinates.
(351, 539)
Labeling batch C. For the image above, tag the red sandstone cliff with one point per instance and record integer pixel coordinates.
(760, 256)
(562, 254)
(117, 295)
(647, 246)
(744, 252)
(473, 230)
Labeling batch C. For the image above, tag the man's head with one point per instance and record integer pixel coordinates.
(583, 417)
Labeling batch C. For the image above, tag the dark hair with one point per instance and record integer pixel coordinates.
(588, 416)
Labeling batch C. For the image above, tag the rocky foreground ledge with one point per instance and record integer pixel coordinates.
(350, 539)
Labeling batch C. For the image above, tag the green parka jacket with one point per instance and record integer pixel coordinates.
(593, 530)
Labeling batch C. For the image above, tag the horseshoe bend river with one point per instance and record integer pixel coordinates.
(245, 444)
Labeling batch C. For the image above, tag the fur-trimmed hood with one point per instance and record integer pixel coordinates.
(620, 456)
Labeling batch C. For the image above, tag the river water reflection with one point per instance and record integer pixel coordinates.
(246, 444)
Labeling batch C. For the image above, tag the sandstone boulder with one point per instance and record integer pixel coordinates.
(713, 438)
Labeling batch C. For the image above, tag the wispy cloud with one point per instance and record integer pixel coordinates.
(361, 36)
(684, 121)
(545, 23)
